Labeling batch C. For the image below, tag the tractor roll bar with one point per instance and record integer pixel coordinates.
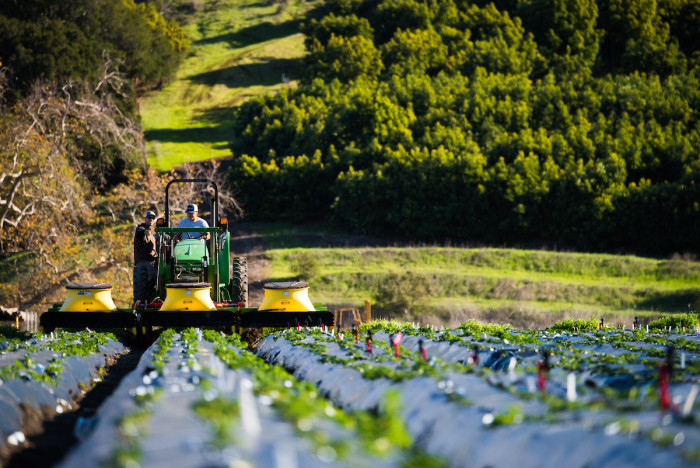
(214, 210)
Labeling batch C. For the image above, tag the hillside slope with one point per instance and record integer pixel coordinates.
(446, 285)
(239, 48)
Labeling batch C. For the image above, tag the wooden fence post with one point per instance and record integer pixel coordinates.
(338, 319)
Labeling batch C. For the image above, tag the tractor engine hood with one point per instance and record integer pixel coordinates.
(190, 251)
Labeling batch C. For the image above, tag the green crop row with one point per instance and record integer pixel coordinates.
(64, 344)
(299, 402)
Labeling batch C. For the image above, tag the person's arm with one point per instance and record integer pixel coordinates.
(149, 236)
(140, 234)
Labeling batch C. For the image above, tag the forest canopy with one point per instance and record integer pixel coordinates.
(60, 41)
(566, 122)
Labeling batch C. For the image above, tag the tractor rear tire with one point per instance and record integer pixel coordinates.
(239, 280)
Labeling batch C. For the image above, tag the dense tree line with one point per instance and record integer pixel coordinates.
(59, 41)
(573, 122)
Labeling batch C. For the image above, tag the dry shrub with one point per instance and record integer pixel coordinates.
(305, 266)
(403, 293)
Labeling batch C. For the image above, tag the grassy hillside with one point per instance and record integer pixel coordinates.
(531, 288)
(240, 48)
(507, 122)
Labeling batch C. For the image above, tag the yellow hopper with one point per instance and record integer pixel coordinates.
(287, 297)
(187, 296)
(88, 297)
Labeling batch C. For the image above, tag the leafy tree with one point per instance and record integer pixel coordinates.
(415, 51)
(565, 31)
(518, 192)
(46, 48)
(434, 195)
(287, 123)
(500, 44)
(149, 46)
(683, 18)
(345, 59)
(498, 102)
(668, 211)
(344, 6)
(370, 119)
(300, 181)
(636, 38)
(318, 33)
(393, 15)
(60, 41)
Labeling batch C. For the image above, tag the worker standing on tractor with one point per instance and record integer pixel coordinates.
(192, 220)
(145, 258)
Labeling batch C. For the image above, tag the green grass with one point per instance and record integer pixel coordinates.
(239, 49)
(531, 288)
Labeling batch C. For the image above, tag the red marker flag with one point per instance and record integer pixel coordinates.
(396, 340)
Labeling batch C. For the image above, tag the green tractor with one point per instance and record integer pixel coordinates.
(198, 260)
(198, 285)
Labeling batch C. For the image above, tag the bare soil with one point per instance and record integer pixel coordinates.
(249, 244)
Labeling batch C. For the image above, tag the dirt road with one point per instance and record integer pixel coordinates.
(248, 243)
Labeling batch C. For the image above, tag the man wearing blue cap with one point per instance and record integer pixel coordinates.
(145, 258)
(192, 220)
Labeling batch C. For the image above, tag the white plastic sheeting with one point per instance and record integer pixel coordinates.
(177, 437)
(24, 391)
(461, 433)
